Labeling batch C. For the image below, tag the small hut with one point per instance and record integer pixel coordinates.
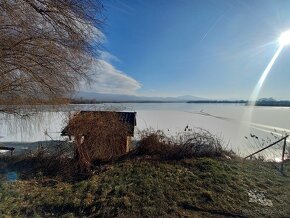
(127, 119)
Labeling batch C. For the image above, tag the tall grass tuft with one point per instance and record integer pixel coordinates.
(197, 143)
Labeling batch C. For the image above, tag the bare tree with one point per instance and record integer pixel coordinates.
(46, 47)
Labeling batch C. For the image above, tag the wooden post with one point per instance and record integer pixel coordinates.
(128, 143)
(283, 154)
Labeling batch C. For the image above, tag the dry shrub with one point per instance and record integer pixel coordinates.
(98, 136)
(198, 143)
(53, 161)
(57, 161)
(153, 143)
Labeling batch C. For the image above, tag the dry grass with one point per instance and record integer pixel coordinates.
(197, 187)
(198, 143)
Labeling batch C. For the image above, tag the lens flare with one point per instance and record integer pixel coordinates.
(261, 81)
(284, 39)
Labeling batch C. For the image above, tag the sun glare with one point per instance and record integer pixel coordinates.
(284, 39)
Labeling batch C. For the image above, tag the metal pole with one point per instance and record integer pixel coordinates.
(283, 154)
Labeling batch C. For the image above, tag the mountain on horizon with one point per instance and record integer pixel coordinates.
(123, 98)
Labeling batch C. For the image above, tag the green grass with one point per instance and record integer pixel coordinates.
(201, 187)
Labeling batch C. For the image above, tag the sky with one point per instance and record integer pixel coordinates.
(215, 49)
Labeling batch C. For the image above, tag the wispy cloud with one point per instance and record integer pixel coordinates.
(212, 27)
(120, 6)
(108, 57)
(107, 79)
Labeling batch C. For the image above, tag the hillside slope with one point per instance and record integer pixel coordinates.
(145, 188)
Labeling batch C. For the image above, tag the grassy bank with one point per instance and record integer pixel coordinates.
(140, 187)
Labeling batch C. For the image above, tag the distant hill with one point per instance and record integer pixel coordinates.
(104, 97)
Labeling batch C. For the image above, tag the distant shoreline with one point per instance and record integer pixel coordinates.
(218, 102)
(247, 103)
(258, 103)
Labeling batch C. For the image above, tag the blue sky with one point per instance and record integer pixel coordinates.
(207, 48)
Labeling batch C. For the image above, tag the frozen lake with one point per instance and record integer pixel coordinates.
(228, 121)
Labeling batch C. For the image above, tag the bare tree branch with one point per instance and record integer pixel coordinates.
(46, 48)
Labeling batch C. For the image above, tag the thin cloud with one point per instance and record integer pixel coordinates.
(212, 27)
(120, 6)
(108, 57)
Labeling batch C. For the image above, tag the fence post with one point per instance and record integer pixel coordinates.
(284, 138)
(283, 154)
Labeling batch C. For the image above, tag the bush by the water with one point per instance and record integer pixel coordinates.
(197, 143)
(54, 161)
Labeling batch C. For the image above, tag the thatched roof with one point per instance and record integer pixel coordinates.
(128, 118)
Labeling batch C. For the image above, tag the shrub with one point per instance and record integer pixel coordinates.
(53, 162)
(153, 143)
(198, 143)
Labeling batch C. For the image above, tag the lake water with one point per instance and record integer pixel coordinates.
(228, 121)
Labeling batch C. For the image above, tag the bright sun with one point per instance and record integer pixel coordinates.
(284, 39)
